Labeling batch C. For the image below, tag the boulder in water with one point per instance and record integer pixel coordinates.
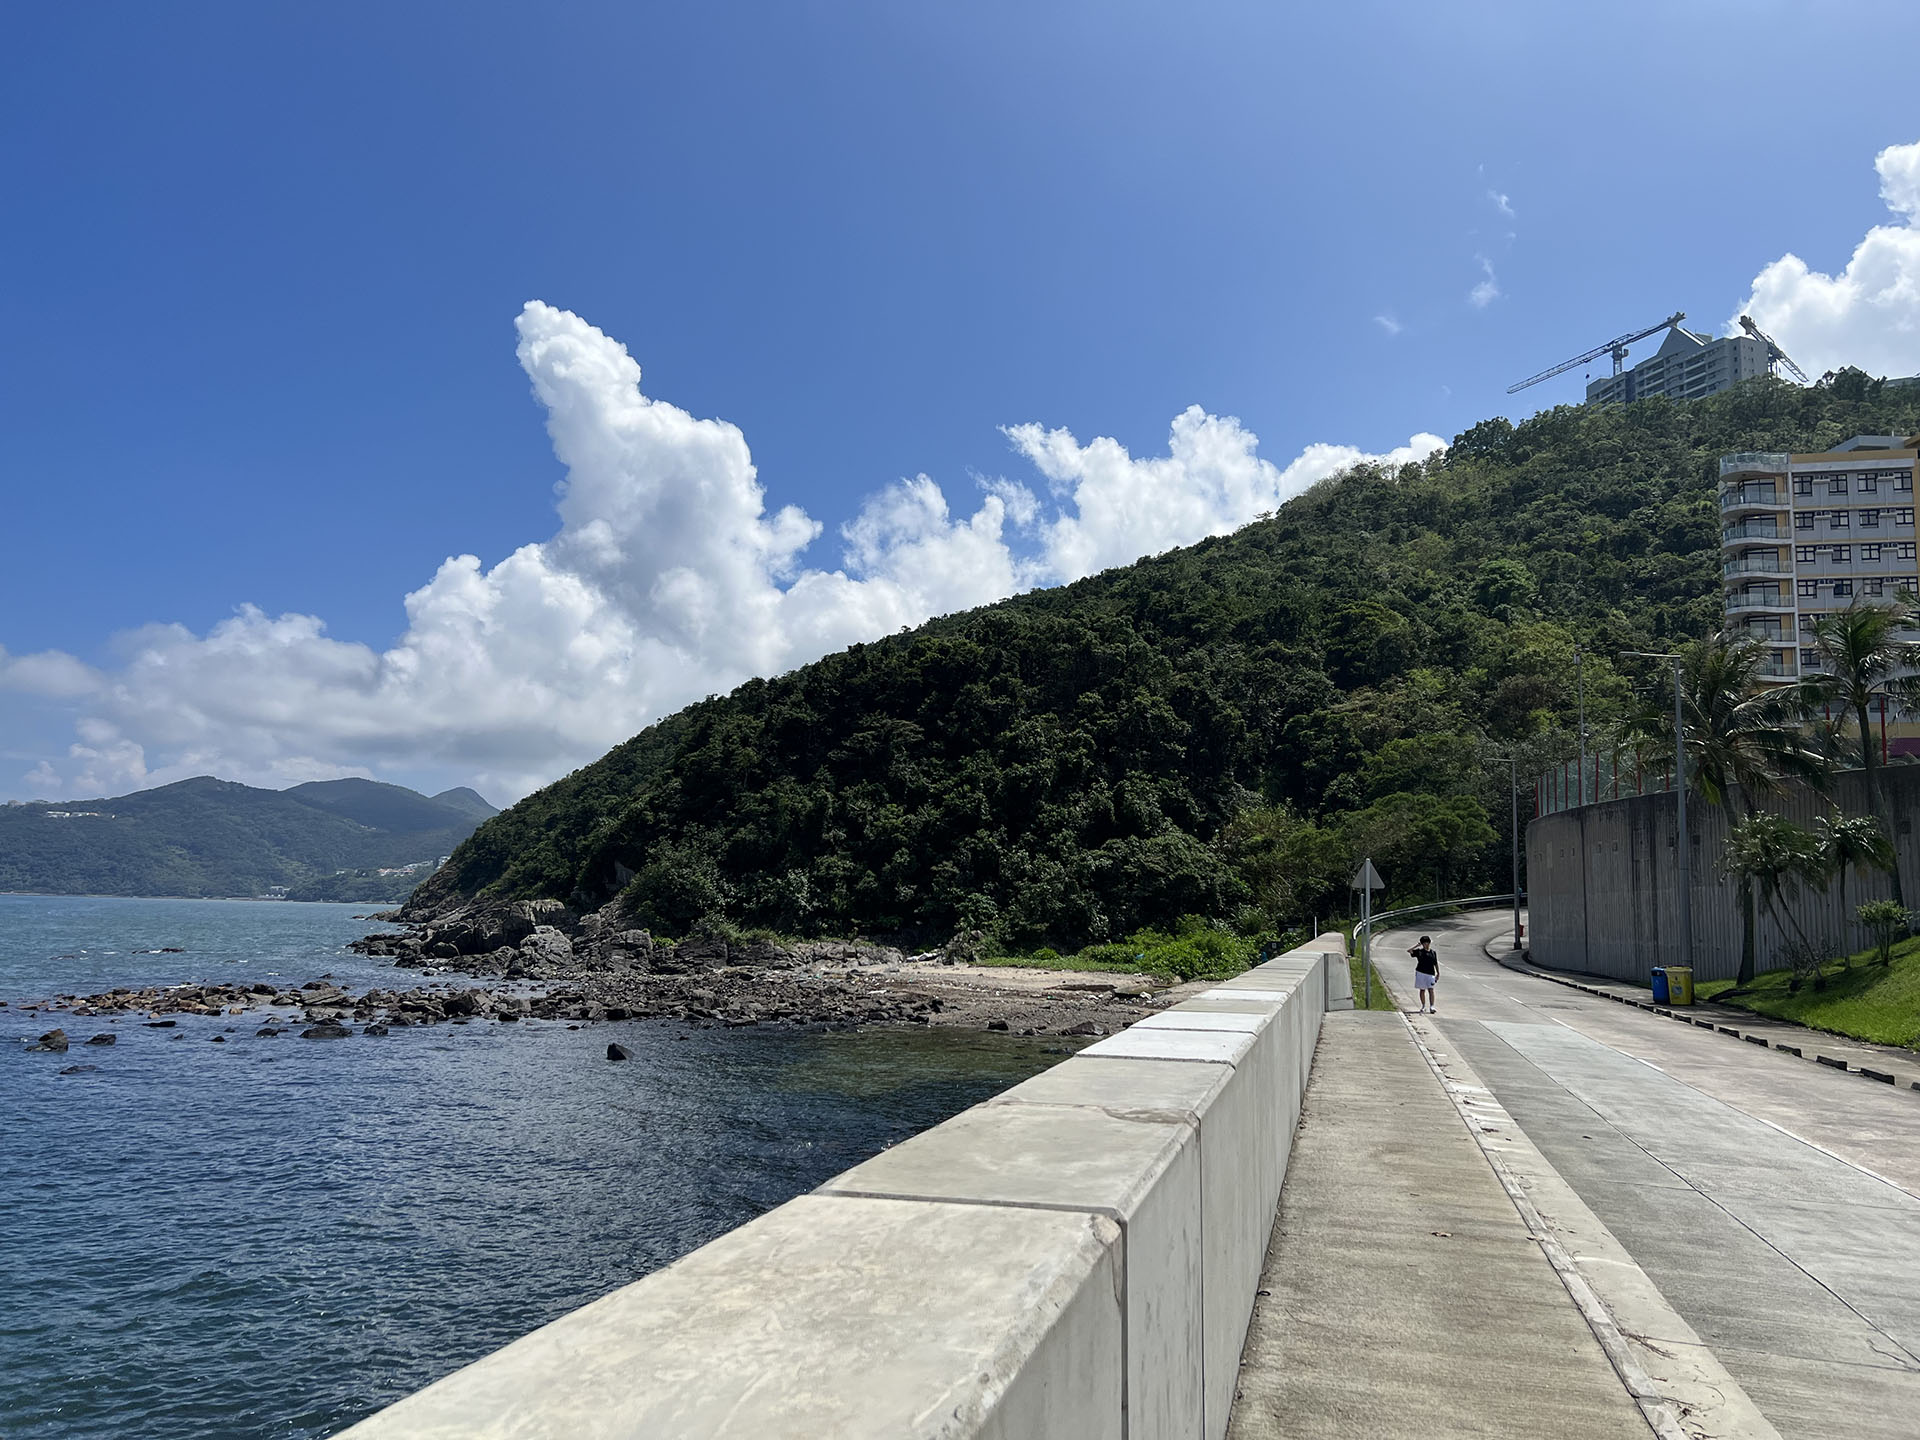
(54, 1042)
(330, 1030)
(104, 1038)
(619, 1052)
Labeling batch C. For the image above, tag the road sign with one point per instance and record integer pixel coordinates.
(1367, 880)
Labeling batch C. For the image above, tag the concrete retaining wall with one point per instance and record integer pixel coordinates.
(1076, 1257)
(1602, 898)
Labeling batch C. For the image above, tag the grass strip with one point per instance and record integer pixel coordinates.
(1381, 999)
(1865, 1000)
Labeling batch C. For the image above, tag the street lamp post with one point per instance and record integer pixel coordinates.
(1580, 666)
(1682, 840)
(1513, 784)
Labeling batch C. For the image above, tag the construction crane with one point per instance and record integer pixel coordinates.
(1616, 348)
(1777, 359)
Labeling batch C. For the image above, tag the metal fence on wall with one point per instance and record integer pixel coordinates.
(1607, 777)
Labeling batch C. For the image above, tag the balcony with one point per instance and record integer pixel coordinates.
(1753, 462)
(1763, 602)
(1748, 532)
(1753, 497)
(1757, 565)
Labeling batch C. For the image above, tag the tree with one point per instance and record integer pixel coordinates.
(1740, 740)
(1865, 657)
(1852, 842)
(1769, 854)
(1429, 836)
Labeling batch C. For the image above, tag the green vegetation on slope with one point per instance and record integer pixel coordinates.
(216, 837)
(1219, 730)
(1865, 999)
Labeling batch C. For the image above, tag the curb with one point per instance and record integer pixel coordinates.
(1833, 1062)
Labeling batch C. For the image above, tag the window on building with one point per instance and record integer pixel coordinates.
(1869, 484)
(1869, 552)
(1836, 485)
(1805, 554)
(1809, 589)
(1869, 519)
(1839, 519)
(1803, 519)
(1904, 552)
(1903, 480)
(1809, 657)
(1842, 554)
(1903, 517)
(1842, 587)
(1872, 585)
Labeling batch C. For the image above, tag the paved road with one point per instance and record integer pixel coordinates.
(1775, 1204)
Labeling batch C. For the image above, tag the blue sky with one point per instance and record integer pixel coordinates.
(267, 262)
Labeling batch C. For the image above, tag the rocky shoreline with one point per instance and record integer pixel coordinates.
(540, 960)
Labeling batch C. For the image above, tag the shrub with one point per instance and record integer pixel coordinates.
(1808, 960)
(1888, 922)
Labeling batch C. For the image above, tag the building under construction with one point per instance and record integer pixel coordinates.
(1685, 367)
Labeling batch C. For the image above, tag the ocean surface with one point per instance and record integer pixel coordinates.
(274, 1237)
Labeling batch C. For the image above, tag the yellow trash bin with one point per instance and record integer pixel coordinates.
(1679, 984)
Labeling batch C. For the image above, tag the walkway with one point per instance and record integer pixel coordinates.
(1774, 1204)
(1403, 1294)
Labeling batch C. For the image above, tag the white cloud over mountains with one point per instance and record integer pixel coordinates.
(669, 579)
(1867, 315)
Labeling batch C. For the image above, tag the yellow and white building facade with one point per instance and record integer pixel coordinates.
(1803, 535)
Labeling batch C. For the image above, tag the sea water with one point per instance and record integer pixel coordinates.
(277, 1236)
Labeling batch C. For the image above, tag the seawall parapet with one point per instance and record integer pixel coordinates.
(1076, 1257)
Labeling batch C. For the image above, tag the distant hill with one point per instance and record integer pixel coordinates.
(461, 798)
(216, 837)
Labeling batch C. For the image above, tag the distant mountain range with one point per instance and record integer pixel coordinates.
(329, 839)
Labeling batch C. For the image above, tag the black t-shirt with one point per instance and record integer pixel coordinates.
(1425, 961)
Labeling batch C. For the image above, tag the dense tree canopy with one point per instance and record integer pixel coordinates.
(1218, 730)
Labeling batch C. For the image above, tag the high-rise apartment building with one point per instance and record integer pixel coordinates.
(1802, 535)
(1685, 367)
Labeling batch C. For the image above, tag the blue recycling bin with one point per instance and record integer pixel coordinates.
(1660, 985)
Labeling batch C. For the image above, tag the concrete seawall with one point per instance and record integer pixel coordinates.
(1076, 1257)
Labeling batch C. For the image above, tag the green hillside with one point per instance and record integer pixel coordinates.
(215, 837)
(1219, 730)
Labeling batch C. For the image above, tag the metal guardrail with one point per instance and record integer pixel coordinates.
(1363, 930)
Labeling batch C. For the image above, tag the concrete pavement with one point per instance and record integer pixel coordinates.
(1403, 1295)
(1772, 1204)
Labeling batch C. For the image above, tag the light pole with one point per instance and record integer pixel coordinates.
(1513, 783)
(1580, 666)
(1682, 844)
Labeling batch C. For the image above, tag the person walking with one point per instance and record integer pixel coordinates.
(1426, 974)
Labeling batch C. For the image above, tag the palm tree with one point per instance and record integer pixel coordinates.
(1742, 740)
(1851, 842)
(1768, 853)
(1866, 657)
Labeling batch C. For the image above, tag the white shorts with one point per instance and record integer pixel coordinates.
(1423, 981)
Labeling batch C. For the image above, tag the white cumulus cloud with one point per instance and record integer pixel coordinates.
(1488, 290)
(1867, 315)
(669, 578)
